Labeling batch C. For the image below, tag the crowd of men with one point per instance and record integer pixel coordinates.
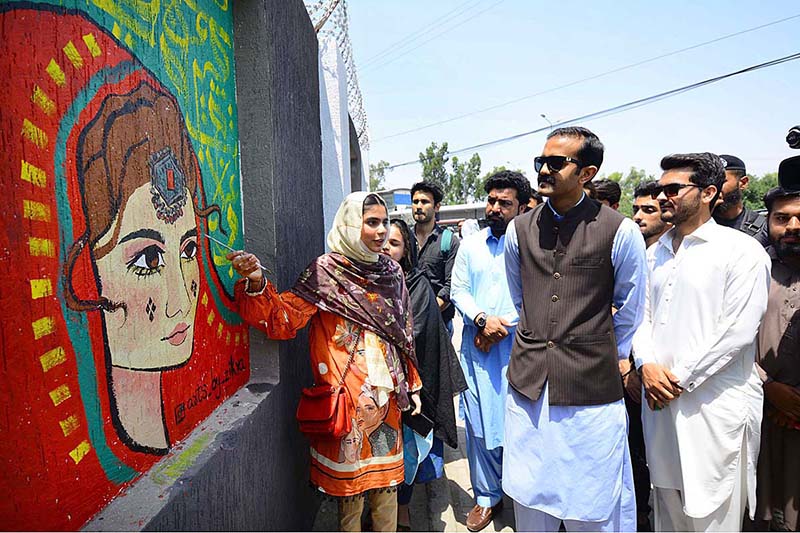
(606, 357)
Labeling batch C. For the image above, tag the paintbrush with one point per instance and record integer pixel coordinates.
(265, 269)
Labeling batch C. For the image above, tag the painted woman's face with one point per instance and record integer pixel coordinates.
(153, 270)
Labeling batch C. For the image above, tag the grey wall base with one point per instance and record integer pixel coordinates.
(245, 468)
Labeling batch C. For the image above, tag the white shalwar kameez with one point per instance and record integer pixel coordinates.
(705, 303)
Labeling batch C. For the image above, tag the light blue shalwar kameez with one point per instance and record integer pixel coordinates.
(572, 463)
(479, 284)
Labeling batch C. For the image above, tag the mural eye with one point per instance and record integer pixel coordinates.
(189, 251)
(147, 262)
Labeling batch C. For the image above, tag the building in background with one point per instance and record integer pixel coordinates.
(343, 121)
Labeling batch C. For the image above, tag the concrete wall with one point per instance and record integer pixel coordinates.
(357, 161)
(334, 121)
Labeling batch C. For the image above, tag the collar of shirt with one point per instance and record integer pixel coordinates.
(490, 236)
(556, 214)
(706, 232)
(434, 234)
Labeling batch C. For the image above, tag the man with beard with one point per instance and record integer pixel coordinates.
(568, 262)
(480, 292)
(647, 214)
(778, 485)
(437, 246)
(695, 350)
(731, 211)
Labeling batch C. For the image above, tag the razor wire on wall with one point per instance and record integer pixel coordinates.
(330, 17)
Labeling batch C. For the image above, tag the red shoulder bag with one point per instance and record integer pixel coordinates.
(324, 409)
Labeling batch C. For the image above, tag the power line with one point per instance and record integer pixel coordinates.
(451, 28)
(619, 108)
(453, 13)
(590, 78)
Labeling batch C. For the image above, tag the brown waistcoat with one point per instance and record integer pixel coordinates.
(565, 334)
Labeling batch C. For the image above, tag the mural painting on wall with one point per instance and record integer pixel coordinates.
(119, 144)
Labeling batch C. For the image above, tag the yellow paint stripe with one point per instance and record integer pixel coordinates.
(92, 45)
(33, 174)
(211, 317)
(41, 247)
(34, 133)
(53, 358)
(80, 451)
(56, 73)
(228, 338)
(41, 288)
(43, 326)
(41, 99)
(129, 40)
(69, 424)
(116, 30)
(60, 394)
(35, 211)
(219, 330)
(73, 55)
(237, 339)
(204, 299)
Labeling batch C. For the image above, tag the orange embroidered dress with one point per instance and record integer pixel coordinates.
(371, 456)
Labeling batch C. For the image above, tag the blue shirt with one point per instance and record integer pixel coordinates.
(479, 284)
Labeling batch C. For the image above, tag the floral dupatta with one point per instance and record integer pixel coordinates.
(372, 295)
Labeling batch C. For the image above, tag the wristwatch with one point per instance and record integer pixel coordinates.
(480, 321)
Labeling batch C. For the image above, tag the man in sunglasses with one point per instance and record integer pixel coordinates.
(695, 350)
(730, 210)
(778, 488)
(568, 261)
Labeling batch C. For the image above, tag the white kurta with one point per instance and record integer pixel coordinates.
(704, 306)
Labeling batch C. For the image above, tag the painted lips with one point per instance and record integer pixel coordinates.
(178, 335)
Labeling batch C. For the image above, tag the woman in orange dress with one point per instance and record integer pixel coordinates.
(356, 301)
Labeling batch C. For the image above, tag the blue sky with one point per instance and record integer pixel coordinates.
(517, 48)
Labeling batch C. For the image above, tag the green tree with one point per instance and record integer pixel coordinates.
(753, 195)
(460, 184)
(464, 180)
(433, 161)
(377, 175)
(627, 183)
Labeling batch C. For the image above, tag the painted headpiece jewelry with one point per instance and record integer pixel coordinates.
(167, 185)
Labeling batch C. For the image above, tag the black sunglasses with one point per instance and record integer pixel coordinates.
(554, 162)
(671, 190)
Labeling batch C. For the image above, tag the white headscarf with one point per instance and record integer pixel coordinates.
(345, 238)
(345, 235)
